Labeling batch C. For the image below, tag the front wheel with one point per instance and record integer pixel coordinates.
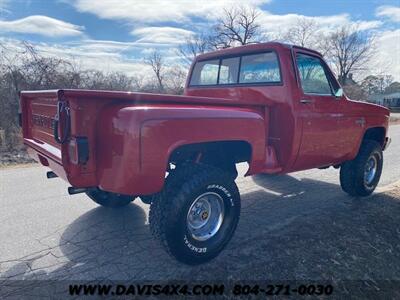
(108, 199)
(360, 176)
(196, 214)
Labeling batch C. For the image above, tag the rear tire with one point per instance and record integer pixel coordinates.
(147, 199)
(108, 199)
(196, 214)
(360, 176)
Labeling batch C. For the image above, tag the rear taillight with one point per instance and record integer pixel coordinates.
(20, 119)
(78, 150)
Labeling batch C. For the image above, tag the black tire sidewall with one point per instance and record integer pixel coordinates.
(194, 251)
(352, 172)
(108, 199)
(378, 154)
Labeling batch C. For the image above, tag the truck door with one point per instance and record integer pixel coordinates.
(321, 112)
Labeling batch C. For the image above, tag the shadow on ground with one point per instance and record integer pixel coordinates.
(289, 229)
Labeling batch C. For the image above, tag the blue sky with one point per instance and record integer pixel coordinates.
(117, 34)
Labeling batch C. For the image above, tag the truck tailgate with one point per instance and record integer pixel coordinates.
(38, 118)
(57, 129)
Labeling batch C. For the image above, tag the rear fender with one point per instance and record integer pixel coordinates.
(137, 141)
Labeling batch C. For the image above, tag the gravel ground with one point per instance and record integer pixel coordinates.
(298, 227)
(14, 157)
(294, 228)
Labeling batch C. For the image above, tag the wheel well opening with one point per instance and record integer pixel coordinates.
(376, 134)
(224, 154)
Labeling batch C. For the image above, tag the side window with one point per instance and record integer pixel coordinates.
(312, 75)
(259, 68)
(229, 70)
(205, 73)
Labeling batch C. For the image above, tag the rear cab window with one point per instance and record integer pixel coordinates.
(259, 68)
(229, 70)
(206, 72)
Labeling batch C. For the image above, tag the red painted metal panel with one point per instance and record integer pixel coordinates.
(131, 135)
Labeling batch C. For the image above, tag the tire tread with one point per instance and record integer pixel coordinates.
(166, 204)
(351, 172)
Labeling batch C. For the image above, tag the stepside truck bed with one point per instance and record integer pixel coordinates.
(72, 131)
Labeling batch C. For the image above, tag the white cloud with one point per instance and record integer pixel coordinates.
(3, 7)
(41, 25)
(128, 56)
(158, 10)
(275, 24)
(387, 59)
(367, 25)
(161, 35)
(391, 12)
(107, 56)
(103, 46)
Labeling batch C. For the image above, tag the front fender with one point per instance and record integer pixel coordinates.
(137, 141)
(380, 121)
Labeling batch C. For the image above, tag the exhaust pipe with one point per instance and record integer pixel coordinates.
(51, 174)
(73, 190)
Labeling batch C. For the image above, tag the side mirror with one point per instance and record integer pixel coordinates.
(339, 93)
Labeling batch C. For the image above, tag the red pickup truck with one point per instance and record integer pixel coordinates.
(277, 107)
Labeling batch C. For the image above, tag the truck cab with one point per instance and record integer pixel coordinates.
(277, 107)
(310, 123)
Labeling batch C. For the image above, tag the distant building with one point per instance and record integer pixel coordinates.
(391, 101)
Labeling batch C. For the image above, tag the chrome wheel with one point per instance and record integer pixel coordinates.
(370, 170)
(205, 216)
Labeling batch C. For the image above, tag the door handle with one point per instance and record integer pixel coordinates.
(306, 101)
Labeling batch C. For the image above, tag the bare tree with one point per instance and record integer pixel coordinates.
(350, 50)
(175, 80)
(376, 84)
(394, 87)
(303, 33)
(355, 92)
(194, 46)
(238, 26)
(156, 62)
(384, 82)
(137, 82)
(23, 67)
(370, 84)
